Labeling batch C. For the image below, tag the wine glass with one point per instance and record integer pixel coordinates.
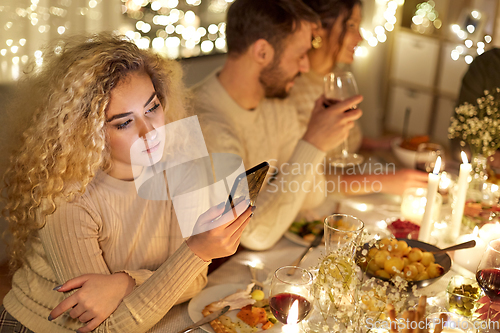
(427, 154)
(342, 232)
(338, 87)
(290, 295)
(488, 273)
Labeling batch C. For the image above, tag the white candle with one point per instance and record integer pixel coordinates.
(469, 258)
(459, 202)
(432, 186)
(489, 232)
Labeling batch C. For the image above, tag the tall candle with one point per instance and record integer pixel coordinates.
(432, 186)
(459, 202)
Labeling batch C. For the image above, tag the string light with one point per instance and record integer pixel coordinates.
(467, 52)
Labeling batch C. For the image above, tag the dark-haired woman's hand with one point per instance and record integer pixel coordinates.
(97, 297)
(220, 235)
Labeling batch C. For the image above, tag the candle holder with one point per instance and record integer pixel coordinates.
(414, 202)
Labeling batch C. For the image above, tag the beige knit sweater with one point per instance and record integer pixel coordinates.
(109, 229)
(268, 133)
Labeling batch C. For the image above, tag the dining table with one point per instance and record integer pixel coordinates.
(373, 209)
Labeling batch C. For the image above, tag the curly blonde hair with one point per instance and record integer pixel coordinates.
(66, 143)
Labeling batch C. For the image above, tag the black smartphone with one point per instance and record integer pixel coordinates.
(247, 186)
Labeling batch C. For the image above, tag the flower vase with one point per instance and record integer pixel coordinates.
(479, 171)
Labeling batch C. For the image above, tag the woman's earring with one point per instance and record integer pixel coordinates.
(317, 42)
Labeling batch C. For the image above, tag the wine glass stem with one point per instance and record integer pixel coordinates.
(345, 150)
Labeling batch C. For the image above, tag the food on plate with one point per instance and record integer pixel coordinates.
(479, 213)
(404, 229)
(391, 257)
(254, 311)
(306, 230)
(413, 142)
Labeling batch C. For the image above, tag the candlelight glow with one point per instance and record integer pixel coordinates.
(292, 319)
(437, 167)
(293, 315)
(464, 157)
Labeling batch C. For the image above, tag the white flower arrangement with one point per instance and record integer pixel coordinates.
(479, 126)
(346, 297)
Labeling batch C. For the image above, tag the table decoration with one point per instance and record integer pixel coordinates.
(469, 258)
(432, 186)
(478, 127)
(459, 200)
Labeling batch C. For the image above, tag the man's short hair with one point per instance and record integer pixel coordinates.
(272, 20)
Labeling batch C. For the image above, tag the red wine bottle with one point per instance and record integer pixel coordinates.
(280, 305)
(489, 281)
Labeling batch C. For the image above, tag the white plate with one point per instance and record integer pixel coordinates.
(215, 293)
(296, 238)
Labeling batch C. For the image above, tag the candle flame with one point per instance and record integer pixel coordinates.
(475, 232)
(437, 167)
(293, 315)
(464, 158)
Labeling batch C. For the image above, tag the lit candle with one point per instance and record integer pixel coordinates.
(292, 319)
(469, 258)
(459, 202)
(489, 232)
(432, 186)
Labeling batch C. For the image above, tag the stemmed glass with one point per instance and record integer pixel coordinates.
(427, 154)
(290, 294)
(488, 274)
(338, 87)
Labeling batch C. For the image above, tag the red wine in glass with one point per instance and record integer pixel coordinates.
(280, 305)
(489, 281)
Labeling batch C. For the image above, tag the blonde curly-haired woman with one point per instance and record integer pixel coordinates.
(89, 252)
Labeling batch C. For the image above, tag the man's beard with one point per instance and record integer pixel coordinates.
(273, 80)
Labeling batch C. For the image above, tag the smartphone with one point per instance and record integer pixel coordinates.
(247, 186)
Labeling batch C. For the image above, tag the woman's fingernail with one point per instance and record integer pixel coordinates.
(50, 318)
(251, 215)
(57, 288)
(253, 208)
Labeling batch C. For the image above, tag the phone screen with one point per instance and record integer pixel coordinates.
(247, 186)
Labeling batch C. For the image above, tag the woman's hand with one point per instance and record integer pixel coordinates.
(97, 298)
(402, 179)
(220, 240)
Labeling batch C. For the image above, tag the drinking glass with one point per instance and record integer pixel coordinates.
(338, 87)
(488, 275)
(427, 154)
(342, 232)
(290, 295)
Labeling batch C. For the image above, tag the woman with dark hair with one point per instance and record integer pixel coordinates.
(88, 251)
(334, 43)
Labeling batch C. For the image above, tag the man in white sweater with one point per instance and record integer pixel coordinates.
(242, 110)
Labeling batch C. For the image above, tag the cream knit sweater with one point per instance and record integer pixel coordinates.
(268, 133)
(109, 229)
